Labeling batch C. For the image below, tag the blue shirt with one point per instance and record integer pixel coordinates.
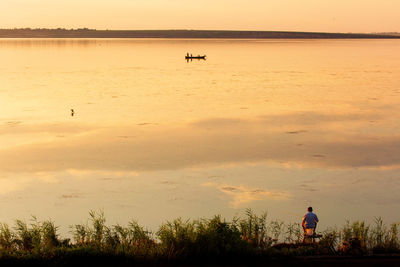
(310, 220)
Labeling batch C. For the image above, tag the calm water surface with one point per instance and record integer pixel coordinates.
(271, 125)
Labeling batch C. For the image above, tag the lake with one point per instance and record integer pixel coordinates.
(271, 125)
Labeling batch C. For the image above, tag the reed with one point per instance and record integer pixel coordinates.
(255, 229)
(294, 233)
(6, 237)
(250, 237)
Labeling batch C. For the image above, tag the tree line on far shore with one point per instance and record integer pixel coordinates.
(93, 33)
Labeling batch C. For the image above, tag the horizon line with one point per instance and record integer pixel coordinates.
(177, 29)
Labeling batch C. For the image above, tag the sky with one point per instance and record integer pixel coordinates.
(280, 15)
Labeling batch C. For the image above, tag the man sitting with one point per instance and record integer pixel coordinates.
(309, 224)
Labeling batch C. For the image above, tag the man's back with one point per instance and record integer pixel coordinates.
(310, 220)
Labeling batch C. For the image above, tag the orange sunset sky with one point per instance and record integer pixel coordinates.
(286, 15)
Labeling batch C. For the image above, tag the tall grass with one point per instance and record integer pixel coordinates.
(255, 229)
(200, 238)
(35, 237)
(359, 237)
(95, 234)
(7, 237)
(250, 236)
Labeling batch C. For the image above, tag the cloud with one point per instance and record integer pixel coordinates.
(243, 195)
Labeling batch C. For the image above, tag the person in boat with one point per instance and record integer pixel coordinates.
(309, 223)
(187, 54)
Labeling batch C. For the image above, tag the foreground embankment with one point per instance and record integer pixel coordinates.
(250, 240)
(90, 260)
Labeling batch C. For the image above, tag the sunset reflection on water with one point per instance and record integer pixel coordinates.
(271, 125)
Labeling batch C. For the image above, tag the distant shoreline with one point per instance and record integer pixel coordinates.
(200, 34)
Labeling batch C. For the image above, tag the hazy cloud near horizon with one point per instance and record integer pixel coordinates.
(311, 15)
(306, 140)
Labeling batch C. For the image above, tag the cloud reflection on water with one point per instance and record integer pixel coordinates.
(243, 195)
(316, 140)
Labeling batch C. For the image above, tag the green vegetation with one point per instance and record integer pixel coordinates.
(252, 238)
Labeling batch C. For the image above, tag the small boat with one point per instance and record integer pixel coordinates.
(195, 57)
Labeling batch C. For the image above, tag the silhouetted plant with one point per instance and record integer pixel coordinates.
(276, 229)
(24, 236)
(177, 237)
(196, 241)
(329, 242)
(50, 237)
(97, 231)
(140, 239)
(293, 233)
(217, 237)
(394, 236)
(254, 230)
(80, 233)
(6, 237)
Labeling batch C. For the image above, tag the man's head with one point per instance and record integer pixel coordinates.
(309, 209)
